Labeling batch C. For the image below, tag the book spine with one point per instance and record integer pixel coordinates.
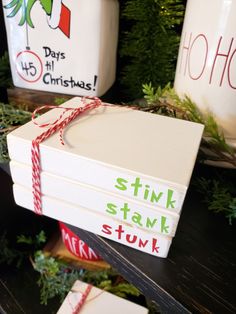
(157, 245)
(124, 182)
(156, 220)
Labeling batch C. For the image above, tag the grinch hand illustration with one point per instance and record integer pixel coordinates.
(58, 15)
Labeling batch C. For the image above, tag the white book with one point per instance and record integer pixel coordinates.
(153, 219)
(131, 236)
(98, 301)
(136, 154)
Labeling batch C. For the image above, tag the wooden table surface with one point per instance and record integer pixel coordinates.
(19, 292)
(199, 275)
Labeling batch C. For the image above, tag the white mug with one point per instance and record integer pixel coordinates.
(63, 46)
(206, 67)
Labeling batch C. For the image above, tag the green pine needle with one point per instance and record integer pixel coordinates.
(165, 101)
(5, 71)
(149, 44)
(38, 240)
(9, 254)
(57, 278)
(220, 196)
(10, 118)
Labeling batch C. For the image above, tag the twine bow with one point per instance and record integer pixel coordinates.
(58, 124)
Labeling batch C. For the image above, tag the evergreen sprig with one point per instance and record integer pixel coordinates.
(11, 253)
(8, 253)
(165, 101)
(150, 42)
(57, 278)
(60, 100)
(10, 118)
(110, 280)
(37, 240)
(5, 71)
(219, 196)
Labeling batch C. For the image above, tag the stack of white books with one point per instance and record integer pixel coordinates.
(122, 173)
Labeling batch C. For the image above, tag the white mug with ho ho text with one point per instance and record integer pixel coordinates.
(206, 68)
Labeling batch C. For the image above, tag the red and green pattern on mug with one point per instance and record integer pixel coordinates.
(76, 246)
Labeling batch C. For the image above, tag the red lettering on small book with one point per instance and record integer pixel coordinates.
(106, 229)
(155, 248)
(130, 239)
(142, 243)
(119, 231)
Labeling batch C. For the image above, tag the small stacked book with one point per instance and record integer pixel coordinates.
(119, 172)
(87, 299)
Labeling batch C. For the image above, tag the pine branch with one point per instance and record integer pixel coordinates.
(57, 278)
(5, 71)
(219, 196)
(9, 254)
(150, 42)
(10, 118)
(165, 101)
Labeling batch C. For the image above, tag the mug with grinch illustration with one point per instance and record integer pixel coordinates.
(206, 68)
(63, 46)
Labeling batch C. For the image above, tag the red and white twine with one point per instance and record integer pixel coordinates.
(58, 125)
(81, 302)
